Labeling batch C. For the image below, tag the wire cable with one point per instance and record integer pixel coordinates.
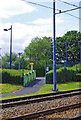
(73, 16)
(68, 3)
(38, 4)
(68, 10)
(52, 8)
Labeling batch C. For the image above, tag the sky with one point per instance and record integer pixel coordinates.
(29, 21)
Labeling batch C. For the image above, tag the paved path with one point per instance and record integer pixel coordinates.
(31, 88)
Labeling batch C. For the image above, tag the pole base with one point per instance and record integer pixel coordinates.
(55, 90)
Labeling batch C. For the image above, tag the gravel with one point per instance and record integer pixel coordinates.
(34, 107)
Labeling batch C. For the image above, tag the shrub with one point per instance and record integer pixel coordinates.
(79, 68)
(40, 71)
(12, 76)
(78, 77)
(63, 75)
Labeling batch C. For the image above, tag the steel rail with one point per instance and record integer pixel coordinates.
(46, 112)
(39, 99)
(37, 96)
(76, 118)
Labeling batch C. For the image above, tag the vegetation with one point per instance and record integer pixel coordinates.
(13, 77)
(6, 61)
(64, 75)
(71, 40)
(40, 53)
(8, 88)
(47, 88)
(15, 61)
(12, 80)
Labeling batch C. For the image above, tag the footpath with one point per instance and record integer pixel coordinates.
(31, 88)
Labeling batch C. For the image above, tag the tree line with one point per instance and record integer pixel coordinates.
(40, 52)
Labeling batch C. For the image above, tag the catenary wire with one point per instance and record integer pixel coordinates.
(51, 8)
(68, 3)
(73, 16)
(38, 4)
(68, 10)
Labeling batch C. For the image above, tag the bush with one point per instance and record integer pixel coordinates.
(12, 76)
(40, 71)
(78, 77)
(79, 68)
(63, 75)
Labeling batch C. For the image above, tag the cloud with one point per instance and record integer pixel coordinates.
(47, 21)
(22, 34)
(10, 8)
(42, 21)
(37, 1)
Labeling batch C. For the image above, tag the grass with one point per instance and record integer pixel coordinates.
(47, 88)
(8, 88)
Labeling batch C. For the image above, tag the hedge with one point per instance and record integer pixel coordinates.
(12, 76)
(40, 71)
(78, 77)
(63, 75)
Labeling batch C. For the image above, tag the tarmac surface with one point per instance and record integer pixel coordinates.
(31, 88)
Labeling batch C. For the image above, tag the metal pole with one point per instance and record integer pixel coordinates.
(45, 70)
(22, 69)
(54, 49)
(80, 53)
(11, 48)
(19, 62)
(66, 53)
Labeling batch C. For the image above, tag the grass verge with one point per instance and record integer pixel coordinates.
(47, 88)
(8, 88)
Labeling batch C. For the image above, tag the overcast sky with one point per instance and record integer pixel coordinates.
(29, 21)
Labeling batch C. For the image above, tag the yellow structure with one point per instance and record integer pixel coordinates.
(31, 64)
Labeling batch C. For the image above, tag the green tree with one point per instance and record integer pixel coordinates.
(6, 61)
(39, 52)
(73, 38)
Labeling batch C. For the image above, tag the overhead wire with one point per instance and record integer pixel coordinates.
(55, 9)
(68, 3)
(68, 10)
(73, 16)
(38, 4)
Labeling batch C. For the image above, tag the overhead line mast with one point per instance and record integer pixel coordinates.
(54, 49)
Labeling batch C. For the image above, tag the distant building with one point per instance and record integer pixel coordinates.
(80, 17)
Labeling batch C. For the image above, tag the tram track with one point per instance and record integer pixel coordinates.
(40, 105)
(47, 112)
(38, 98)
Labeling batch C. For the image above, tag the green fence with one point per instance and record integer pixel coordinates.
(29, 77)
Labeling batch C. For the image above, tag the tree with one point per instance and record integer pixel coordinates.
(39, 52)
(72, 39)
(6, 61)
